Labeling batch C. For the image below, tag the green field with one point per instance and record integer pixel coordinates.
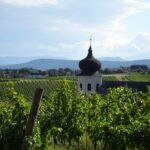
(109, 78)
(27, 87)
(137, 77)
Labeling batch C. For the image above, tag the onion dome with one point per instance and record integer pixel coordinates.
(89, 65)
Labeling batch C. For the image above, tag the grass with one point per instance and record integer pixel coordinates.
(143, 77)
(109, 78)
(137, 77)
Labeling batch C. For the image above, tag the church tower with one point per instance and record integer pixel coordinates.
(88, 81)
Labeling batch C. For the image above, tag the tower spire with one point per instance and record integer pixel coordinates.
(90, 48)
(90, 39)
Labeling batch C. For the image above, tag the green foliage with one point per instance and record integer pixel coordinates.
(116, 121)
(121, 119)
(62, 115)
(13, 118)
(35, 141)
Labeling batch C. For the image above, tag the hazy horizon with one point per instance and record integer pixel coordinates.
(63, 58)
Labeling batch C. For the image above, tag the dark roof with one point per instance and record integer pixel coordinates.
(89, 65)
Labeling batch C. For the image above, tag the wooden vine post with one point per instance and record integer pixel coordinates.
(32, 117)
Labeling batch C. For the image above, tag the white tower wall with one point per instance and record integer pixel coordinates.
(89, 83)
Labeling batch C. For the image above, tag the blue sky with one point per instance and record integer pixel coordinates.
(62, 28)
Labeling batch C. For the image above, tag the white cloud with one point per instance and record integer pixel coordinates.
(30, 2)
(110, 34)
(138, 47)
(63, 25)
(131, 7)
(67, 28)
(111, 47)
(101, 48)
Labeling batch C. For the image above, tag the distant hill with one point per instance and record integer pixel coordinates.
(116, 64)
(45, 64)
(11, 60)
(111, 59)
(73, 64)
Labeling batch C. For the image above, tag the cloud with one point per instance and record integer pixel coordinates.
(131, 7)
(64, 31)
(101, 48)
(30, 2)
(67, 26)
(138, 47)
(111, 30)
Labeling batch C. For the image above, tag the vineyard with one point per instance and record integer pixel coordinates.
(27, 87)
(69, 119)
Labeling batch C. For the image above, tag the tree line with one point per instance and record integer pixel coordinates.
(30, 73)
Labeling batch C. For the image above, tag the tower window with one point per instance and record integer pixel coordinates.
(89, 87)
(97, 87)
(80, 85)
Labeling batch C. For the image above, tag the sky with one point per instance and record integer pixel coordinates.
(62, 28)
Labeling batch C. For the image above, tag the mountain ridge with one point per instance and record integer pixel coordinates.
(44, 64)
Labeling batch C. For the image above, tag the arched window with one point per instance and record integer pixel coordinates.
(97, 87)
(89, 87)
(80, 85)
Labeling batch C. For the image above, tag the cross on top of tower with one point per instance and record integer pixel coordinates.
(90, 39)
